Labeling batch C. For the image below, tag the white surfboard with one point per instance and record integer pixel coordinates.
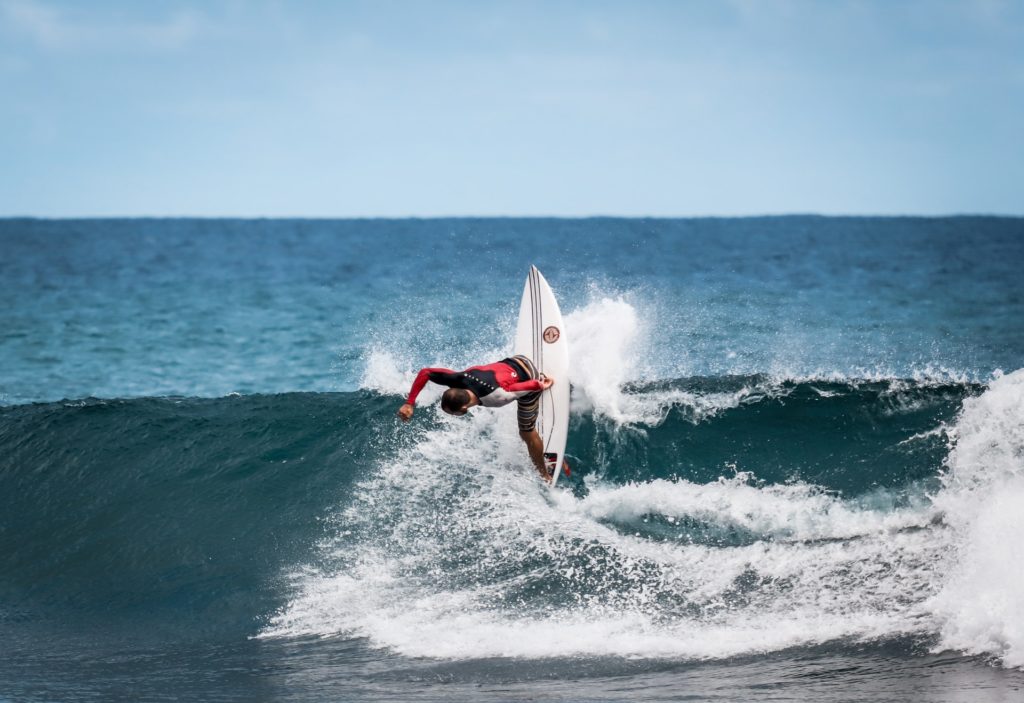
(540, 336)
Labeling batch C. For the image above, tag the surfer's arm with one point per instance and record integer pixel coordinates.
(444, 377)
(531, 386)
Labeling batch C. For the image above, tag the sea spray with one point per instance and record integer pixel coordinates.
(603, 336)
(980, 608)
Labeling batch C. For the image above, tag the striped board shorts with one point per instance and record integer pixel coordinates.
(529, 404)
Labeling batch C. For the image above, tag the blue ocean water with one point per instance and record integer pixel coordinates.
(798, 446)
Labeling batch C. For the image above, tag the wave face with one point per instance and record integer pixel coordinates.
(170, 513)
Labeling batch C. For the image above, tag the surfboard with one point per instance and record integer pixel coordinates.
(540, 335)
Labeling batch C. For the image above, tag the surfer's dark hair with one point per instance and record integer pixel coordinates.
(455, 400)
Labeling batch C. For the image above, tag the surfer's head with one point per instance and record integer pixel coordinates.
(455, 401)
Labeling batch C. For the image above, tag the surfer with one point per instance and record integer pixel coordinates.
(493, 386)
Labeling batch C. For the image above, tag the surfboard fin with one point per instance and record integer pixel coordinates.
(549, 461)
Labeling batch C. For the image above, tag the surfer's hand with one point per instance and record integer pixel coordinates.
(546, 382)
(405, 412)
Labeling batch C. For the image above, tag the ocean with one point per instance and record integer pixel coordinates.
(797, 448)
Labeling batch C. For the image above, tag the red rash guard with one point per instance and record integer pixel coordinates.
(494, 384)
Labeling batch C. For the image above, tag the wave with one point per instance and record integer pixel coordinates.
(711, 517)
(472, 561)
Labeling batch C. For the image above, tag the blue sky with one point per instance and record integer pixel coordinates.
(564, 108)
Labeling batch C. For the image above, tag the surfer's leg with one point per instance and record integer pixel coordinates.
(526, 415)
(535, 446)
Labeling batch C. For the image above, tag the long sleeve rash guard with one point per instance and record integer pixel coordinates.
(494, 384)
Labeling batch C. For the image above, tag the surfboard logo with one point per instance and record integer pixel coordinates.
(551, 334)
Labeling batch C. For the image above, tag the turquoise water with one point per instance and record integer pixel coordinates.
(797, 447)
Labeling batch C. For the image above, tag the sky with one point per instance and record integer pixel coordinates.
(395, 109)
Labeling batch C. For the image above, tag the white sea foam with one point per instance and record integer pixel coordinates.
(385, 373)
(981, 606)
(792, 512)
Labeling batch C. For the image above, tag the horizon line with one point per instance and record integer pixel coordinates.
(952, 215)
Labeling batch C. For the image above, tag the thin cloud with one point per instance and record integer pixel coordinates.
(54, 29)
